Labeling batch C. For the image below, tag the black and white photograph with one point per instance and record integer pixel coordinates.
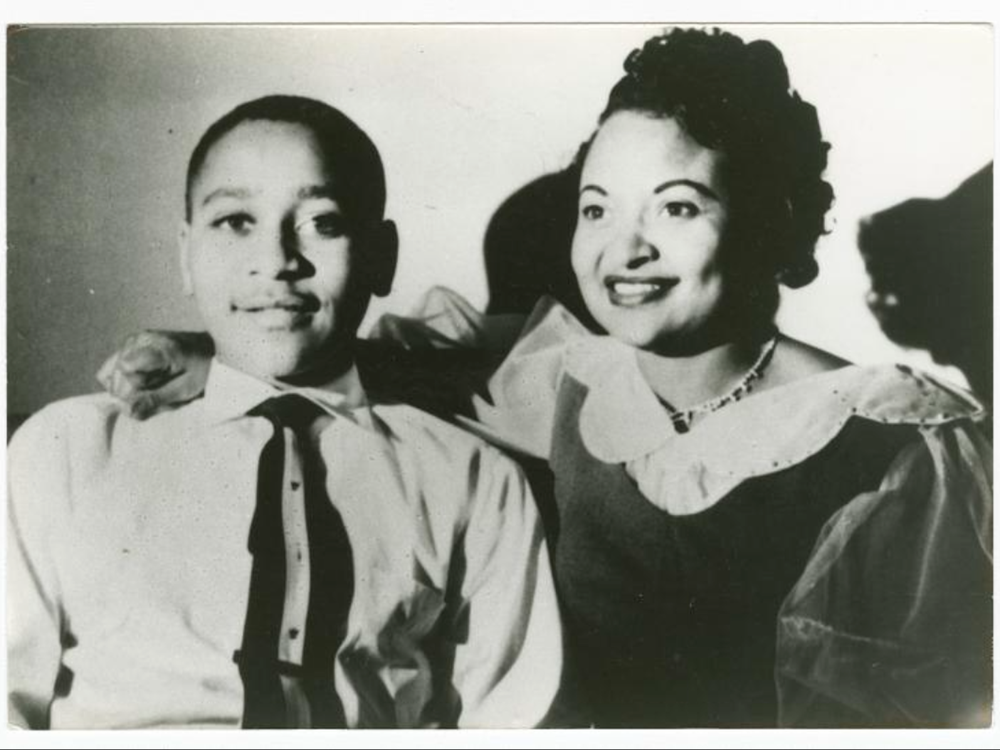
(575, 376)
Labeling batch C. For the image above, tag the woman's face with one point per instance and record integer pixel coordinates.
(653, 210)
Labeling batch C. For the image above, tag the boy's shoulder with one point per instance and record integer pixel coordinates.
(466, 477)
(76, 412)
(438, 442)
(60, 439)
(95, 421)
(413, 425)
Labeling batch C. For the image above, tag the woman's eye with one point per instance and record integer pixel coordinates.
(238, 223)
(682, 209)
(592, 212)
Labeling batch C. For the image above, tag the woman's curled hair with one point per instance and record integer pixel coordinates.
(736, 97)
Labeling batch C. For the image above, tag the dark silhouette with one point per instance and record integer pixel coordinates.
(931, 269)
(527, 247)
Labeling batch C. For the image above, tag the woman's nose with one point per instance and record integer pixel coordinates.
(636, 246)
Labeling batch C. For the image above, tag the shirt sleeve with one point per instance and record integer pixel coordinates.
(891, 622)
(37, 481)
(508, 668)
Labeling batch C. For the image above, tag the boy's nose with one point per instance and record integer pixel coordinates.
(276, 254)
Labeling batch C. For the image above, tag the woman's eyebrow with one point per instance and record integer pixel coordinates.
(693, 184)
(595, 188)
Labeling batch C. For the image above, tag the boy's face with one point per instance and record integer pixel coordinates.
(281, 280)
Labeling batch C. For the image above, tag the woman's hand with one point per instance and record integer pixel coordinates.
(157, 370)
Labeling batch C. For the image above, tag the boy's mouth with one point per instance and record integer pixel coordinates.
(632, 291)
(279, 313)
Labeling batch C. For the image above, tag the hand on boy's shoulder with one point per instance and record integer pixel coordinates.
(157, 370)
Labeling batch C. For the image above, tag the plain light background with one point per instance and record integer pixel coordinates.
(101, 122)
(103, 11)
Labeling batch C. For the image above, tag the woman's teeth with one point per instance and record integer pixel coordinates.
(638, 291)
(634, 287)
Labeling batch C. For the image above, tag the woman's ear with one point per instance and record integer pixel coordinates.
(383, 249)
(184, 255)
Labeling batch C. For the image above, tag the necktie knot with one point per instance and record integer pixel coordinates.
(288, 410)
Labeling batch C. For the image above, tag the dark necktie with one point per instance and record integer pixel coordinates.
(301, 581)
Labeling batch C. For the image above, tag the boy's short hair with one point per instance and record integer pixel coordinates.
(347, 150)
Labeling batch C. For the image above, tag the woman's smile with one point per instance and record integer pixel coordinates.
(629, 291)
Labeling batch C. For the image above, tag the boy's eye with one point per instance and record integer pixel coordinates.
(238, 223)
(327, 225)
(682, 209)
(592, 212)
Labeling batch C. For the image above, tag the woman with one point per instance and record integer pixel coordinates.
(748, 531)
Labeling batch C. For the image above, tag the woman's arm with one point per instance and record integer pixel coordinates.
(891, 623)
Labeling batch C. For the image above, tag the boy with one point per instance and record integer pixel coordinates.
(279, 553)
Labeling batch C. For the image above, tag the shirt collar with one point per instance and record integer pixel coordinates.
(231, 393)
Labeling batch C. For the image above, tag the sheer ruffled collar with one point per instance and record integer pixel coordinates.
(622, 421)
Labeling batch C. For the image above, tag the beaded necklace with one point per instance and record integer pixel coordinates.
(682, 418)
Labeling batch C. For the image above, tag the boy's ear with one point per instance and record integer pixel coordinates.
(383, 249)
(184, 250)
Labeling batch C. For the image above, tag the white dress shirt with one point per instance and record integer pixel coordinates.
(128, 567)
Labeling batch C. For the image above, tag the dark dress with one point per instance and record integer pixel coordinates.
(674, 616)
(816, 554)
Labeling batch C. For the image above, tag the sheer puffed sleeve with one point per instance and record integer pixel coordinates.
(436, 357)
(444, 319)
(890, 624)
(498, 374)
(520, 408)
